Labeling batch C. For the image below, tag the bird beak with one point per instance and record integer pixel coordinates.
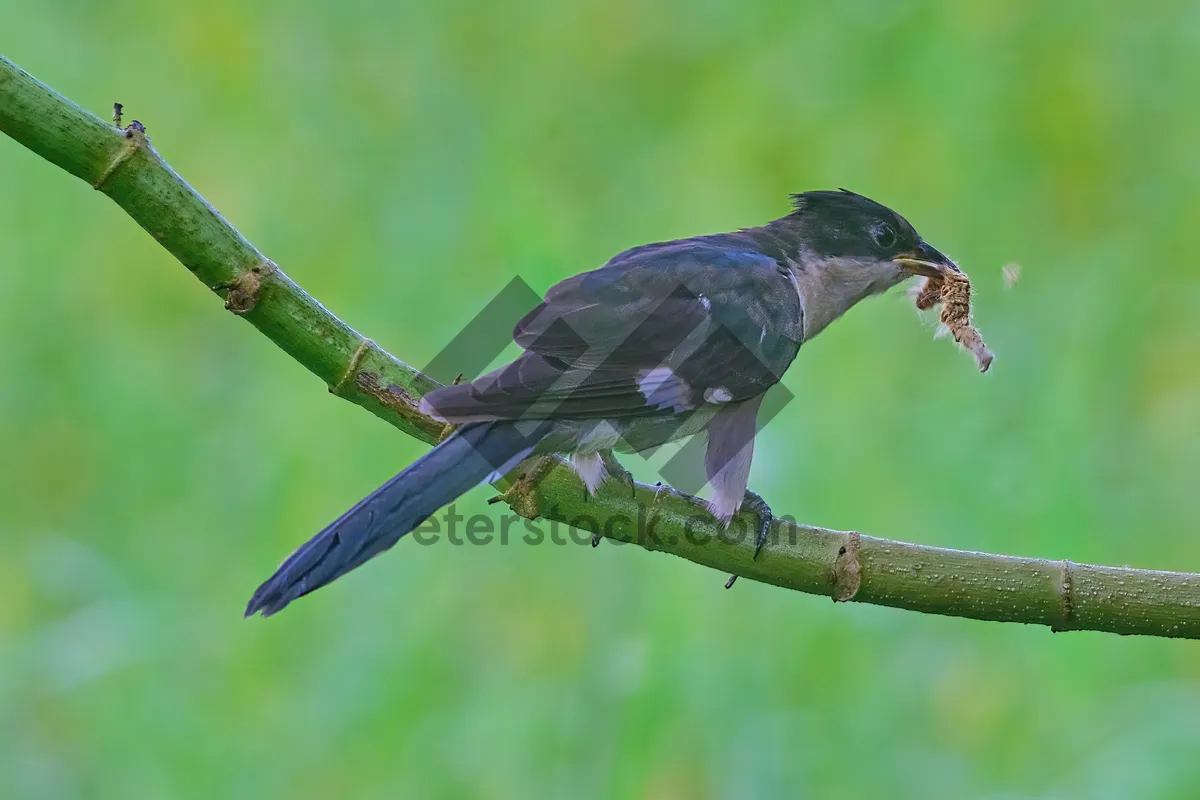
(926, 260)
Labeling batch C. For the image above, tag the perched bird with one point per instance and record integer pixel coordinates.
(665, 340)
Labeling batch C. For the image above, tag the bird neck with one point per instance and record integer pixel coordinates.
(828, 286)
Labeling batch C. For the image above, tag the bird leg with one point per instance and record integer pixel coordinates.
(753, 502)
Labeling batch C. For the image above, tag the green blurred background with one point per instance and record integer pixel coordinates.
(403, 162)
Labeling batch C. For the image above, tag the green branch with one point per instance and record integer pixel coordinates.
(121, 163)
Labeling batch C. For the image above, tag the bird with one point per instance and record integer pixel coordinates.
(665, 340)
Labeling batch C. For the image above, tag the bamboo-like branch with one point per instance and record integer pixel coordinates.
(122, 164)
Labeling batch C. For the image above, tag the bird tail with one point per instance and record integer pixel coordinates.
(474, 454)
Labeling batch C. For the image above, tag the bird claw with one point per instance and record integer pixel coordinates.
(615, 470)
(753, 502)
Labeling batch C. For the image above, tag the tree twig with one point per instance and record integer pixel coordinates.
(122, 164)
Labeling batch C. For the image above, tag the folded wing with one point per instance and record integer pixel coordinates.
(657, 330)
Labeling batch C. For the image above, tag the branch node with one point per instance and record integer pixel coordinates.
(521, 495)
(246, 288)
(352, 366)
(135, 139)
(846, 574)
(1066, 592)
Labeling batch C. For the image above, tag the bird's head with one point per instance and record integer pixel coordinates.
(845, 226)
(850, 247)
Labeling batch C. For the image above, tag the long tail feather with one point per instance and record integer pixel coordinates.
(470, 456)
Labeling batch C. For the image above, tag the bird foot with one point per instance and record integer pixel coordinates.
(754, 503)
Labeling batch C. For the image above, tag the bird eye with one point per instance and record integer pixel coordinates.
(883, 235)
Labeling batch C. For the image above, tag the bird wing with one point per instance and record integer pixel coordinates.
(659, 329)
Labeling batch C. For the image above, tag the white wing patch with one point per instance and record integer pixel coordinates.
(662, 389)
(717, 394)
(651, 380)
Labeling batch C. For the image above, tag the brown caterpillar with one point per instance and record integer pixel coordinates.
(953, 291)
